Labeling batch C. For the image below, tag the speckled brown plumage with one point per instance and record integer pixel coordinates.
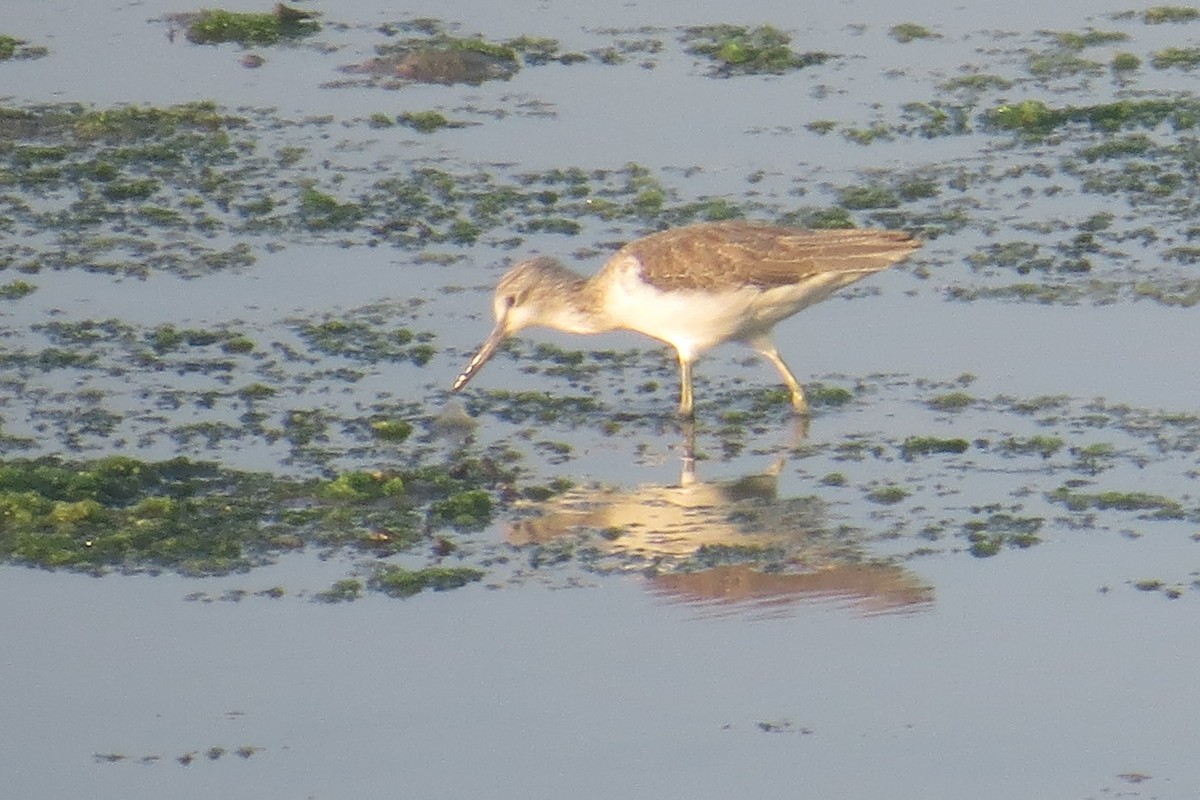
(716, 255)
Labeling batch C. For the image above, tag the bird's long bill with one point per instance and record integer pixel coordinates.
(495, 338)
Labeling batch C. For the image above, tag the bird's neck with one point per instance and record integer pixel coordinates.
(575, 306)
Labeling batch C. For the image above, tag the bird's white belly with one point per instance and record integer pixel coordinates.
(691, 321)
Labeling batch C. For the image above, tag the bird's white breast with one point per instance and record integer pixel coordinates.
(690, 320)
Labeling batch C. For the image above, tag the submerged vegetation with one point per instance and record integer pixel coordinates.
(1037, 118)
(739, 50)
(1072, 40)
(13, 48)
(194, 517)
(215, 26)
(990, 535)
(1176, 57)
(906, 32)
(427, 121)
(396, 581)
(428, 51)
(1157, 15)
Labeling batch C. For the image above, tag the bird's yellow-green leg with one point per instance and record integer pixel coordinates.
(768, 351)
(685, 388)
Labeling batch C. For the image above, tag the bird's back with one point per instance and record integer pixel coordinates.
(720, 255)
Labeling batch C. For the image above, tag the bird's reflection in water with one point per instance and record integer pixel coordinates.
(725, 547)
(735, 589)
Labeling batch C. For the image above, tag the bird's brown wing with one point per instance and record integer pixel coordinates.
(737, 253)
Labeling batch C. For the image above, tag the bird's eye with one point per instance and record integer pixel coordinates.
(510, 300)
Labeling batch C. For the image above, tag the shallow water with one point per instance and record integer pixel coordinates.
(602, 690)
(883, 652)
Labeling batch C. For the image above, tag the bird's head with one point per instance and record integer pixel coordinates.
(527, 295)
